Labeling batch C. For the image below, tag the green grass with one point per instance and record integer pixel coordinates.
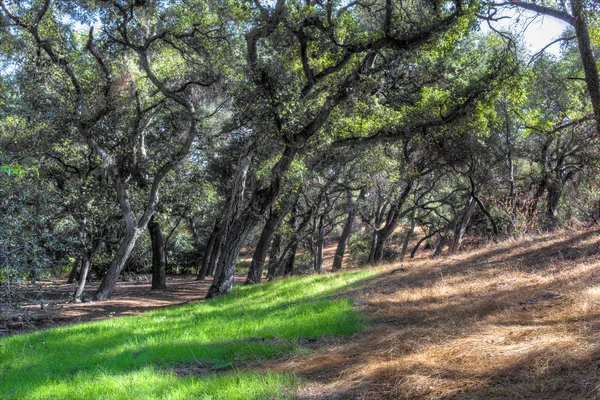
(133, 357)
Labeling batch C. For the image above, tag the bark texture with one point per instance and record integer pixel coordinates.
(262, 247)
(346, 232)
(208, 252)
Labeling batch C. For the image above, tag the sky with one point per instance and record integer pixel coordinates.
(538, 30)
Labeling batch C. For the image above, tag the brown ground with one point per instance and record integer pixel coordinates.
(47, 304)
(519, 320)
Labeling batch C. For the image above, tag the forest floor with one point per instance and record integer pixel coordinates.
(516, 320)
(48, 303)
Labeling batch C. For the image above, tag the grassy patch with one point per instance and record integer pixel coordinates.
(132, 357)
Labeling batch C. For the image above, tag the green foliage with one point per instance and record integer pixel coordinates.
(359, 247)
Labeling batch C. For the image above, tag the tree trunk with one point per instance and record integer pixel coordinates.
(274, 255)
(85, 267)
(414, 250)
(373, 246)
(586, 52)
(225, 275)
(554, 193)
(462, 226)
(319, 244)
(123, 252)
(413, 221)
(215, 255)
(74, 269)
(288, 266)
(159, 258)
(346, 232)
(258, 204)
(263, 245)
(207, 254)
(440, 246)
(391, 223)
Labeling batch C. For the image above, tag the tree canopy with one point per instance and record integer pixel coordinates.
(167, 136)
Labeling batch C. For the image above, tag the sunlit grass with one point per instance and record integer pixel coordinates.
(133, 357)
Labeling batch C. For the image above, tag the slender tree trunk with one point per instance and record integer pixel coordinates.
(159, 258)
(373, 246)
(414, 250)
(207, 254)
(346, 232)
(263, 245)
(319, 244)
(462, 226)
(123, 252)
(85, 267)
(86, 262)
(413, 221)
(74, 269)
(512, 195)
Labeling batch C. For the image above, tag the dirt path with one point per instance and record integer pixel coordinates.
(47, 303)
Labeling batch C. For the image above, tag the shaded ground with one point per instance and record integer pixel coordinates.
(47, 303)
(519, 320)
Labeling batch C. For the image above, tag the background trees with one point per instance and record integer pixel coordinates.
(376, 127)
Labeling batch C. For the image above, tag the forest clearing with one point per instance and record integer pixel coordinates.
(515, 320)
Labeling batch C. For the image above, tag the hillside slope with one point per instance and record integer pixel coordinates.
(515, 320)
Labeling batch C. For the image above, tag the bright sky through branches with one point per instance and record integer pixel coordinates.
(536, 30)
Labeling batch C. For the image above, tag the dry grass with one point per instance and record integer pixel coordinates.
(512, 321)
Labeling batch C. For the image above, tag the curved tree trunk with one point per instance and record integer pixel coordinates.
(86, 262)
(123, 252)
(243, 223)
(225, 274)
(159, 257)
(263, 245)
(424, 238)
